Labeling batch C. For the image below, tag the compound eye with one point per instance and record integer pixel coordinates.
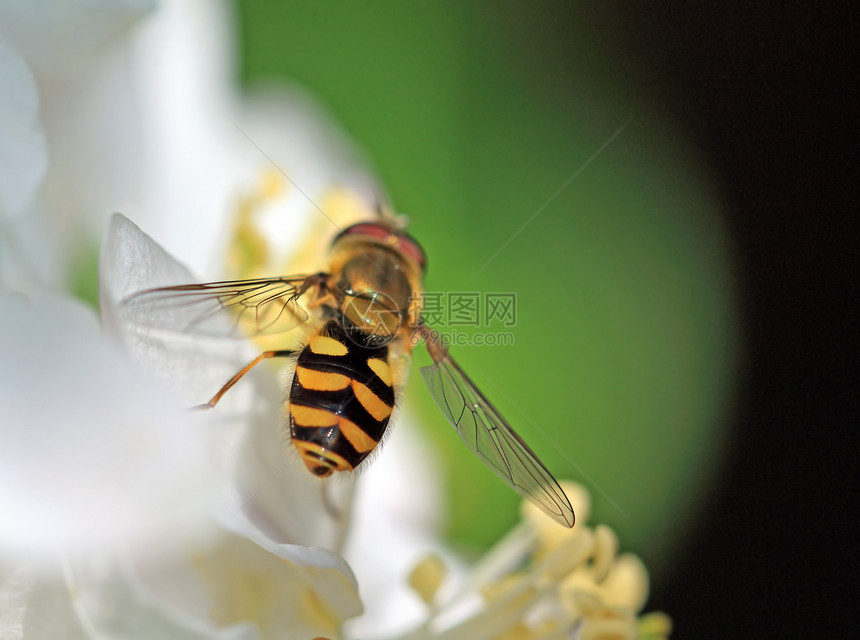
(400, 239)
(410, 247)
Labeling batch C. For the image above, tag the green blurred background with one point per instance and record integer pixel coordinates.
(476, 115)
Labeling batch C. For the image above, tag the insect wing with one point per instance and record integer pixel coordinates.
(236, 308)
(486, 432)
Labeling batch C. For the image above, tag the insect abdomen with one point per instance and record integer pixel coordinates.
(340, 402)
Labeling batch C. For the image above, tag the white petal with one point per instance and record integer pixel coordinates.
(206, 146)
(284, 591)
(305, 556)
(279, 497)
(36, 604)
(130, 262)
(58, 35)
(95, 132)
(23, 153)
(117, 603)
(184, 72)
(94, 453)
(151, 126)
(232, 587)
(113, 120)
(95, 600)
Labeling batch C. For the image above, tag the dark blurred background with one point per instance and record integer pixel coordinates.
(766, 89)
(705, 362)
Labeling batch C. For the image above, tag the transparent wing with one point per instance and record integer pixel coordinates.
(486, 432)
(235, 308)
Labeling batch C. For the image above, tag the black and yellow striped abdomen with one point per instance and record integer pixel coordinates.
(340, 401)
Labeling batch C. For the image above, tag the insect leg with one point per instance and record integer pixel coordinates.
(242, 372)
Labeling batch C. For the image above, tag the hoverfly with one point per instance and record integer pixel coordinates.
(365, 313)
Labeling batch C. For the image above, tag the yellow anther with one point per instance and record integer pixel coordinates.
(567, 555)
(654, 626)
(549, 533)
(610, 628)
(578, 593)
(627, 583)
(605, 549)
(493, 591)
(427, 576)
(518, 631)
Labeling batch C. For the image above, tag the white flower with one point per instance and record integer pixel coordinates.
(128, 516)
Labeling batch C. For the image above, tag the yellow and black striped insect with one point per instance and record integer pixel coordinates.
(365, 311)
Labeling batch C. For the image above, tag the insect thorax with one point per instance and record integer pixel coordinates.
(377, 288)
